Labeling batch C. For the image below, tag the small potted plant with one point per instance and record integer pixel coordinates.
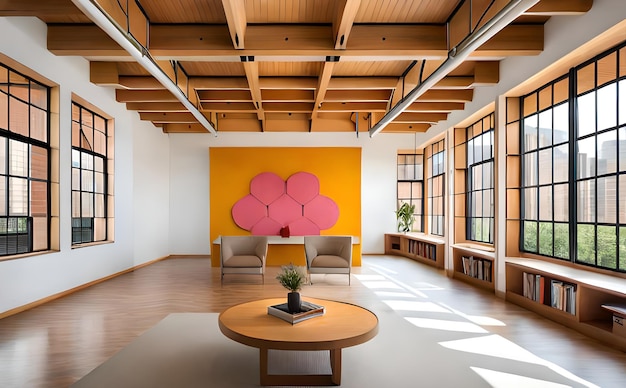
(292, 278)
(406, 217)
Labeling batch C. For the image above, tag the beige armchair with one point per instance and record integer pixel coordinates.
(243, 255)
(328, 255)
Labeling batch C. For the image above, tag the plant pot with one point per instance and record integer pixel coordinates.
(293, 302)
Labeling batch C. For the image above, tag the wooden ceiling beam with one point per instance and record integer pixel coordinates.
(322, 85)
(345, 13)
(252, 75)
(183, 128)
(447, 95)
(299, 83)
(235, 11)
(228, 107)
(363, 83)
(435, 106)
(38, 8)
(406, 127)
(357, 95)
(168, 117)
(156, 106)
(224, 96)
(560, 7)
(486, 73)
(429, 118)
(218, 83)
(122, 95)
(454, 82)
(266, 42)
(288, 107)
(275, 95)
(353, 107)
(140, 82)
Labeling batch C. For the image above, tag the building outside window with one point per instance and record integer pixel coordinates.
(411, 185)
(436, 187)
(89, 176)
(24, 164)
(480, 183)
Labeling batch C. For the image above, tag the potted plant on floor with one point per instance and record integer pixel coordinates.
(406, 217)
(292, 278)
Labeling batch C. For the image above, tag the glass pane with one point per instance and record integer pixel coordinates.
(3, 196)
(40, 233)
(99, 229)
(561, 123)
(530, 236)
(18, 158)
(478, 149)
(470, 152)
(607, 246)
(545, 128)
(561, 241)
(99, 205)
(607, 106)
(622, 248)
(75, 179)
(586, 114)
(587, 157)
(86, 161)
(75, 204)
(487, 175)
(622, 147)
(477, 177)
(586, 247)
(586, 201)
(477, 209)
(622, 199)
(607, 199)
(39, 199)
(18, 119)
(561, 163)
(87, 204)
(530, 169)
(487, 203)
(18, 197)
(404, 190)
(416, 189)
(39, 95)
(3, 155)
(4, 104)
(545, 203)
(86, 181)
(530, 203)
(38, 124)
(530, 132)
(99, 177)
(607, 152)
(545, 161)
(622, 102)
(75, 134)
(545, 238)
(561, 203)
(39, 163)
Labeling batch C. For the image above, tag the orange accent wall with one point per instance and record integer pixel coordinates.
(337, 168)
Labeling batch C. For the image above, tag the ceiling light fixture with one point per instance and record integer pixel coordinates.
(456, 56)
(141, 54)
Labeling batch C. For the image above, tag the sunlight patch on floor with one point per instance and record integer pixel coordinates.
(381, 284)
(427, 286)
(440, 324)
(508, 380)
(477, 319)
(365, 277)
(394, 294)
(405, 305)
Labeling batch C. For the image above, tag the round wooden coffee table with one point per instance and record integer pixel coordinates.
(341, 326)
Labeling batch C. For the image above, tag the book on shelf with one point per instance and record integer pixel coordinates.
(477, 268)
(308, 310)
(563, 296)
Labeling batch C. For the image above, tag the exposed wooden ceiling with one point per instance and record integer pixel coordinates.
(292, 65)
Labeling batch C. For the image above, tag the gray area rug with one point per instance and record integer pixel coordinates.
(187, 350)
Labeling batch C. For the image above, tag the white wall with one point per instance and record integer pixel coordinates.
(137, 145)
(189, 189)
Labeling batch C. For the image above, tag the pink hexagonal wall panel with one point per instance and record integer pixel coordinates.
(267, 187)
(248, 211)
(323, 211)
(274, 203)
(303, 187)
(284, 210)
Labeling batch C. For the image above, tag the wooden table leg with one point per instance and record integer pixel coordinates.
(263, 365)
(335, 365)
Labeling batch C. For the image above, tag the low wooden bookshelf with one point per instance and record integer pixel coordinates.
(474, 265)
(417, 246)
(592, 292)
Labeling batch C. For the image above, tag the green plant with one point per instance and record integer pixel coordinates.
(291, 277)
(406, 217)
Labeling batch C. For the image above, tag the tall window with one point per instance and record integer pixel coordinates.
(436, 187)
(480, 162)
(411, 185)
(574, 169)
(89, 176)
(24, 164)
(600, 124)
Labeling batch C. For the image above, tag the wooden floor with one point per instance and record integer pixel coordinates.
(56, 344)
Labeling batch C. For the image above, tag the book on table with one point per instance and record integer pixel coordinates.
(307, 310)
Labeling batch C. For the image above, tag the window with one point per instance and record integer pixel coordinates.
(89, 176)
(480, 162)
(436, 187)
(24, 164)
(574, 165)
(545, 170)
(411, 185)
